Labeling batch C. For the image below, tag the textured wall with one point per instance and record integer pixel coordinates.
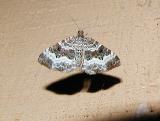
(129, 28)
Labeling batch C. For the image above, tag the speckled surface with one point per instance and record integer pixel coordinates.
(129, 28)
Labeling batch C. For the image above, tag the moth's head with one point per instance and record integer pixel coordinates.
(80, 33)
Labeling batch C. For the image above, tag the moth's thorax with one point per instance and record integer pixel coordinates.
(82, 41)
(78, 40)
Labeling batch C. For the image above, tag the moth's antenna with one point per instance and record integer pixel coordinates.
(97, 18)
(73, 20)
(94, 23)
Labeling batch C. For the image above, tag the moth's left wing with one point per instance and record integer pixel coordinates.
(59, 57)
(98, 58)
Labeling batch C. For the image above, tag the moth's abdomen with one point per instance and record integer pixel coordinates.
(78, 56)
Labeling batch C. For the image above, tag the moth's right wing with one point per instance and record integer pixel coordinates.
(59, 57)
(98, 59)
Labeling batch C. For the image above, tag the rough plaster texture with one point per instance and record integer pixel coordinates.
(131, 28)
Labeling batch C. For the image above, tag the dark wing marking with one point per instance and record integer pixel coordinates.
(99, 59)
(59, 57)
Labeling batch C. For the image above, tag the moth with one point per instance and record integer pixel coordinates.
(79, 52)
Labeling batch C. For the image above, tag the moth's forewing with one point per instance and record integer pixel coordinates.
(58, 57)
(99, 59)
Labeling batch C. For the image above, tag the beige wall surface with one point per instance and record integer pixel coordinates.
(130, 28)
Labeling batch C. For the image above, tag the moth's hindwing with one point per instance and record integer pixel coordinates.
(99, 59)
(59, 57)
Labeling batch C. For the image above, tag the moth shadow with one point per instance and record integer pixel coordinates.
(83, 82)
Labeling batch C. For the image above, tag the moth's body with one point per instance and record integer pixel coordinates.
(79, 52)
(80, 45)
